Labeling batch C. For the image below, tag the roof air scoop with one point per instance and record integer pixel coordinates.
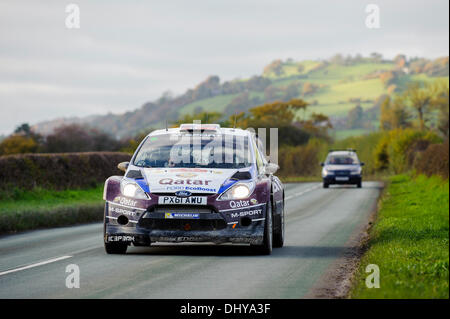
(199, 127)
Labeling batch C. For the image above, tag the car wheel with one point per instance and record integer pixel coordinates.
(325, 185)
(116, 248)
(266, 247)
(359, 184)
(278, 236)
(112, 248)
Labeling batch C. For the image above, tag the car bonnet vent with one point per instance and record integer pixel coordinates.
(134, 174)
(241, 175)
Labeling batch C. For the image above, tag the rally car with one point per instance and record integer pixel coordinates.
(195, 183)
(342, 167)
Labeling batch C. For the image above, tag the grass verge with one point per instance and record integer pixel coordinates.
(409, 241)
(25, 210)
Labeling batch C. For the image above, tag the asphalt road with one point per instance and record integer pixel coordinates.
(319, 222)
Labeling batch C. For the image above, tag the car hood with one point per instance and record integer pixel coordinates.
(341, 167)
(195, 180)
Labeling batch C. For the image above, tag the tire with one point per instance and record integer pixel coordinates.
(359, 184)
(325, 185)
(116, 248)
(112, 248)
(278, 236)
(266, 247)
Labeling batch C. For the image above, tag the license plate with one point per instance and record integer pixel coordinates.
(342, 179)
(174, 200)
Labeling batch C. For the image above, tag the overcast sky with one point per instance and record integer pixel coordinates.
(126, 53)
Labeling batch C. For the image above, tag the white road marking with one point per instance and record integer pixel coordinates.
(45, 262)
(34, 265)
(302, 192)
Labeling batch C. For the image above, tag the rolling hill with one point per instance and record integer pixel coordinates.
(332, 87)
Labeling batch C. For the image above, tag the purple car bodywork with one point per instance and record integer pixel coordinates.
(144, 221)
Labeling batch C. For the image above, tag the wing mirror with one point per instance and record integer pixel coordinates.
(362, 164)
(123, 166)
(270, 168)
(322, 164)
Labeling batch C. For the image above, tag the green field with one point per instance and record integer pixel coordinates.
(23, 210)
(343, 134)
(409, 241)
(339, 88)
(21, 200)
(213, 104)
(355, 72)
(291, 69)
(342, 92)
(340, 83)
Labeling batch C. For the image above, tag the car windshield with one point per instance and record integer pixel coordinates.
(342, 160)
(193, 151)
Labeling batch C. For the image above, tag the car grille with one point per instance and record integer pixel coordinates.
(181, 224)
(212, 222)
(342, 173)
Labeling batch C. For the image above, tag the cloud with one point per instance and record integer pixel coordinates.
(127, 53)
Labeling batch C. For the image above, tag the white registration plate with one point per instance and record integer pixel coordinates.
(342, 179)
(174, 200)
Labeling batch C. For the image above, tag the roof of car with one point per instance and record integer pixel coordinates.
(217, 130)
(342, 153)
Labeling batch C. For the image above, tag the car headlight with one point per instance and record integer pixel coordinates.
(326, 172)
(356, 171)
(238, 191)
(131, 189)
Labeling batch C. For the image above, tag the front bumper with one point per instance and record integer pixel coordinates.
(347, 179)
(241, 225)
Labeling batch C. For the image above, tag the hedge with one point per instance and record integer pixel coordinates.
(434, 160)
(54, 217)
(58, 171)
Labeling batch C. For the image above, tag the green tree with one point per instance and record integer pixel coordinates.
(23, 129)
(276, 67)
(78, 138)
(441, 103)
(283, 115)
(291, 91)
(420, 98)
(394, 114)
(204, 117)
(355, 117)
(17, 144)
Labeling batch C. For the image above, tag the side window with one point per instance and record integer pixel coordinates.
(259, 160)
(260, 148)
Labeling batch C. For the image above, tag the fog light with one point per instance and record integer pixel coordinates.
(122, 220)
(245, 221)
